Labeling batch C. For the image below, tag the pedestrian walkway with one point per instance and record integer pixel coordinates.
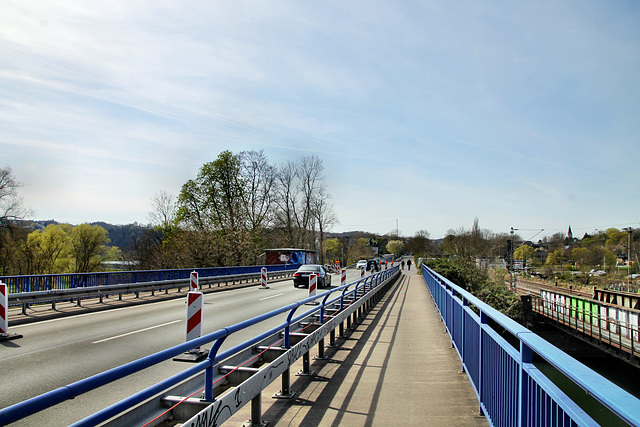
(396, 368)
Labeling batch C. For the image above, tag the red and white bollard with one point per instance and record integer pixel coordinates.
(313, 284)
(4, 314)
(343, 277)
(194, 328)
(263, 272)
(193, 282)
(361, 272)
(194, 315)
(4, 309)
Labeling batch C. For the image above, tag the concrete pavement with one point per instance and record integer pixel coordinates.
(396, 368)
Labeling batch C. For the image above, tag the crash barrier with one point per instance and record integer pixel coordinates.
(211, 391)
(24, 299)
(506, 365)
(610, 324)
(48, 282)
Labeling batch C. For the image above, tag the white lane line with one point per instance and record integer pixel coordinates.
(272, 296)
(95, 313)
(135, 332)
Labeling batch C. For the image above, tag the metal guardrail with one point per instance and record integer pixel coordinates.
(275, 349)
(511, 388)
(56, 295)
(48, 282)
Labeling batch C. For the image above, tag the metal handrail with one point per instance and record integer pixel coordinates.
(517, 384)
(54, 397)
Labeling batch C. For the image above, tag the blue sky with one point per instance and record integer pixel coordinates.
(524, 114)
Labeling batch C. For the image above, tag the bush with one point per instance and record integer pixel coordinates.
(479, 283)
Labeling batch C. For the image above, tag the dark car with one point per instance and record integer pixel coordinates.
(301, 277)
(372, 265)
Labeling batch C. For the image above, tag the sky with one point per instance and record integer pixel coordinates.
(426, 114)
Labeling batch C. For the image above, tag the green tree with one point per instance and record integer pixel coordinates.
(89, 247)
(395, 247)
(49, 251)
(214, 200)
(360, 250)
(580, 256)
(556, 258)
(525, 253)
(333, 249)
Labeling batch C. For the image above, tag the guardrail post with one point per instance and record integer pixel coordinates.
(285, 391)
(256, 412)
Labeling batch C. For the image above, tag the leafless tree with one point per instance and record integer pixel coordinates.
(259, 181)
(163, 209)
(11, 208)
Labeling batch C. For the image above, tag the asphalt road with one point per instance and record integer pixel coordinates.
(58, 352)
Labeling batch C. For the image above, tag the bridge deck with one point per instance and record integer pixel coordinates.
(401, 370)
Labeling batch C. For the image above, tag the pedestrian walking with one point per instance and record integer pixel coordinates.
(402, 263)
(409, 265)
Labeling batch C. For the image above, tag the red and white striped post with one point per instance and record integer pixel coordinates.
(4, 314)
(194, 328)
(4, 309)
(193, 282)
(194, 316)
(343, 277)
(263, 274)
(313, 284)
(361, 272)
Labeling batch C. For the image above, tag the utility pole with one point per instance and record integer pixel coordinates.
(629, 261)
(511, 275)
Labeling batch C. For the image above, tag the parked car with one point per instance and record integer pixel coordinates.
(301, 277)
(361, 263)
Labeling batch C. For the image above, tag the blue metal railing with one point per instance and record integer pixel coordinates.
(48, 282)
(36, 404)
(511, 390)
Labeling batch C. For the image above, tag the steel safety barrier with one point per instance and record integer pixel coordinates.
(54, 288)
(500, 357)
(48, 282)
(275, 350)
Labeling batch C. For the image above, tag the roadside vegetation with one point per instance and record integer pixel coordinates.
(239, 204)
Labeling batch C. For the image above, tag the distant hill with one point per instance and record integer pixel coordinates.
(121, 236)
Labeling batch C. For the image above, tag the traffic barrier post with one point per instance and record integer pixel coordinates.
(343, 277)
(193, 283)
(361, 272)
(263, 270)
(4, 315)
(194, 328)
(313, 285)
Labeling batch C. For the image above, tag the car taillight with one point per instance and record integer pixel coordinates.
(296, 275)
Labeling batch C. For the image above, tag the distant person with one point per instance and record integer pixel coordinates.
(409, 265)
(402, 263)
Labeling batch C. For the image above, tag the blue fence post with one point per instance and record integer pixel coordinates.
(526, 356)
(462, 349)
(481, 396)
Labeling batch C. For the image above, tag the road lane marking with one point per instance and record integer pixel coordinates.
(135, 332)
(272, 296)
(93, 313)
